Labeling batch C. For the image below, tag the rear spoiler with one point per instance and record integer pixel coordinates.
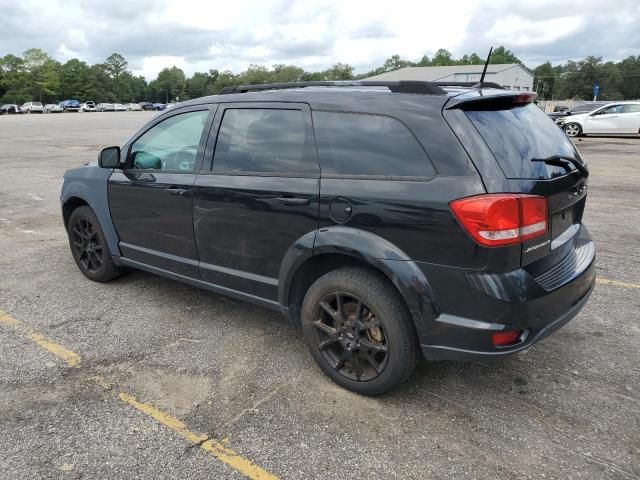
(491, 99)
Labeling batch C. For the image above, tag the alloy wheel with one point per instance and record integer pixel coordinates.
(87, 244)
(349, 336)
(572, 130)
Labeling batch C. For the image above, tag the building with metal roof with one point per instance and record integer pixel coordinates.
(512, 76)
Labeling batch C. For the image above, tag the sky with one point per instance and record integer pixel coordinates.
(200, 35)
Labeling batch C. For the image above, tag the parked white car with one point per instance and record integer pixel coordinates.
(32, 107)
(133, 107)
(105, 107)
(88, 106)
(118, 107)
(52, 108)
(618, 118)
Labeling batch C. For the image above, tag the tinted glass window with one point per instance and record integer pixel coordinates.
(360, 144)
(632, 108)
(171, 144)
(611, 109)
(519, 134)
(263, 141)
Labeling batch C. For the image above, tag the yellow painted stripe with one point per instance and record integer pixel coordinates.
(70, 358)
(210, 445)
(616, 283)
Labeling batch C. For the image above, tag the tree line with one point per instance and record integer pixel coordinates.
(37, 76)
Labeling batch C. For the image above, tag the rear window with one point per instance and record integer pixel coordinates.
(363, 144)
(519, 134)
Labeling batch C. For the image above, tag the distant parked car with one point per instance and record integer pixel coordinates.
(133, 107)
(560, 108)
(618, 118)
(9, 108)
(146, 105)
(582, 108)
(32, 107)
(52, 108)
(88, 106)
(105, 107)
(159, 106)
(70, 105)
(118, 107)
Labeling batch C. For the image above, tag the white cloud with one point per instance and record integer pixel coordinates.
(152, 65)
(198, 35)
(518, 31)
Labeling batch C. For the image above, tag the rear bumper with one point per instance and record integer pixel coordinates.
(473, 306)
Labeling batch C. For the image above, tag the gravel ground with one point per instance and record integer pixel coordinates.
(568, 408)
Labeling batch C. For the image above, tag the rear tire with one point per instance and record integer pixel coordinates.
(89, 246)
(359, 331)
(573, 129)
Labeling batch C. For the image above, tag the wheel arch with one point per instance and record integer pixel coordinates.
(335, 247)
(89, 186)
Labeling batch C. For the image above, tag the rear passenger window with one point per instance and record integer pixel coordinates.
(363, 144)
(263, 141)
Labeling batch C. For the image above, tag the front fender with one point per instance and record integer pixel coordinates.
(372, 250)
(90, 184)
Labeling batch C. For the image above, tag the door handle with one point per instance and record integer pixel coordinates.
(294, 201)
(177, 191)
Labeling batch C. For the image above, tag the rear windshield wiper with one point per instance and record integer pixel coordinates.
(563, 161)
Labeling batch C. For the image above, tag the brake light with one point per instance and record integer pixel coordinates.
(503, 339)
(496, 220)
(524, 98)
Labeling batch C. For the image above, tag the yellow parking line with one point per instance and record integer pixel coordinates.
(215, 448)
(70, 358)
(616, 283)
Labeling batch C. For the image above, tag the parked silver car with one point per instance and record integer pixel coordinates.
(32, 107)
(88, 106)
(105, 107)
(52, 108)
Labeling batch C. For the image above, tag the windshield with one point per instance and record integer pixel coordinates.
(519, 134)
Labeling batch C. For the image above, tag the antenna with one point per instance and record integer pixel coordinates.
(484, 70)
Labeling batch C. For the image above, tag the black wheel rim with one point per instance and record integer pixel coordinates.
(87, 245)
(350, 337)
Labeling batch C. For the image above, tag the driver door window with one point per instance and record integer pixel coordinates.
(610, 110)
(171, 144)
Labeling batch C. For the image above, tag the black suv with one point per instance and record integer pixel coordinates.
(390, 219)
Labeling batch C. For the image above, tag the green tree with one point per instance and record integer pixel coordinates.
(75, 80)
(116, 67)
(502, 55)
(12, 79)
(170, 84)
(41, 74)
(544, 80)
(339, 71)
(442, 58)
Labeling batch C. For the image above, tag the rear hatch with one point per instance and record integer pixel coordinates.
(534, 157)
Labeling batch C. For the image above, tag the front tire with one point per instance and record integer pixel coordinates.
(573, 129)
(89, 246)
(359, 331)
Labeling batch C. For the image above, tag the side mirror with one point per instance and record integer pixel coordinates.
(109, 157)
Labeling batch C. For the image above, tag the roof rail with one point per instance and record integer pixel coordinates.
(468, 84)
(395, 86)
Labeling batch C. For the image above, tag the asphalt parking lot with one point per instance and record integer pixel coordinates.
(148, 378)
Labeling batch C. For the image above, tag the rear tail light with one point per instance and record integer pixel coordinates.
(496, 220)
(504, 339)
